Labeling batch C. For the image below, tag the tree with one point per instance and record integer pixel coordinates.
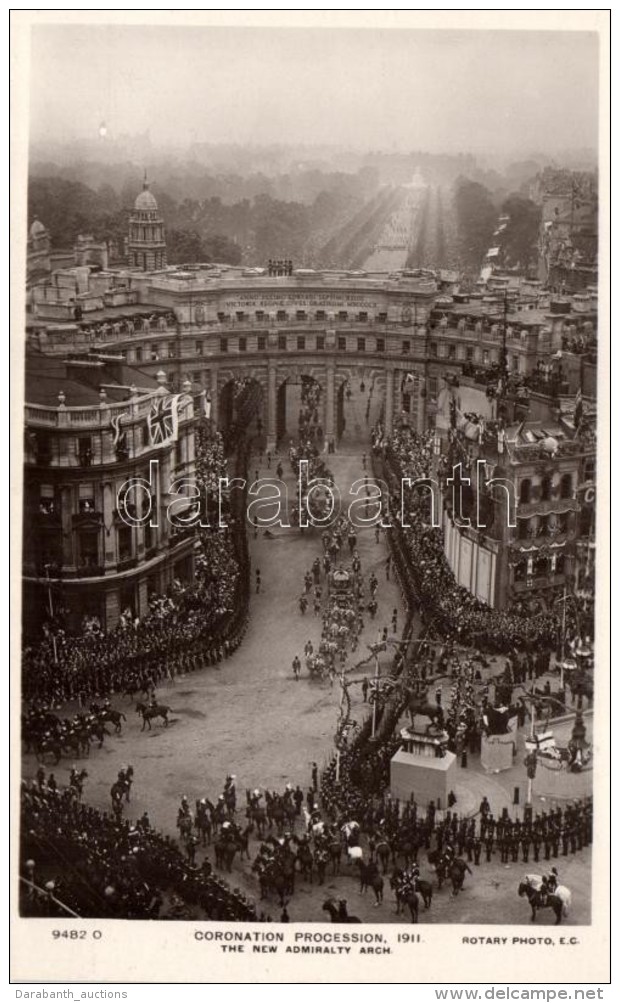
(520, 239)
(476, 217)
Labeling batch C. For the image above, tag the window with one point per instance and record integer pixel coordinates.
(381, 344)
(523, 526)
(406, 347)
(282, 342)
(281, 315)
(342, 315)
(240, 315)
(300, 314)
(221, 316)
(407, 403)
(545, 489)
(197, 376)
(138, 355)
(469, 353)
(320, 342)
(432, 386)
(262, 342)
(47, 504)
(301, 343)
(154, 352)
(342, 344)
(382, 317)
(43, 448)
(485, 357)
(432, 349)
(520, 571)
(566, 486)
(362, 316)
(361, 344)
(199, 348)
(85, 450)
(123, 536)
(88, 547)
(541, 566)
(589, 470)
(223, 344)
(86, 499)
(452, 351)
(243, 344)
(320, 315)
(525, 491)
(260, 314)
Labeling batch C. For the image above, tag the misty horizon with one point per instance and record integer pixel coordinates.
(497, 94)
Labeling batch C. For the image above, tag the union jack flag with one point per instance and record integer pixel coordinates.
(161, 421)
(115, 422)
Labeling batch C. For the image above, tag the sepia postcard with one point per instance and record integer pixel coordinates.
(310, 354)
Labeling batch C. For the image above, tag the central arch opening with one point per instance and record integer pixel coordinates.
(300, 411)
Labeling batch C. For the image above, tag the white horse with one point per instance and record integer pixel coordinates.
(562, 892)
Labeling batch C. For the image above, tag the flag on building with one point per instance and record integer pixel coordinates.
(163, 419)
(206, 404)
(117, 432)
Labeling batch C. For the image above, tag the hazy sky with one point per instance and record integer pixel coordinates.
(507, 92)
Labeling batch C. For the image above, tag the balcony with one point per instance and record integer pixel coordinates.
(126, 564)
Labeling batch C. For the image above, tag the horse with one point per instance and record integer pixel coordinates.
(355, 855)
(425, 889)
(334, 849)
(338, 911)
(383, 851)
(456, 872)
(225, 851)
(305, 859)
(114, 717)
(52, 745)
(203, 822)
(149, 713)
(370, 878)
(77, 783)
(559, 900)
(405, 896)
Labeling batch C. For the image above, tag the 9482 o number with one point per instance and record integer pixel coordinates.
(77, 934)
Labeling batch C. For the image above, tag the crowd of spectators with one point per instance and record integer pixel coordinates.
(106, 867)
(194, 624)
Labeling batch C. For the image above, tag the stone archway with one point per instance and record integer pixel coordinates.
(300, 407)
(241, 406)
(359, 402)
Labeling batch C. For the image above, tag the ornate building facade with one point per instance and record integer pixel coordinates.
(91, 429)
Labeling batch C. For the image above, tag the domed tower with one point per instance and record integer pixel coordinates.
(38, 263)
(147, 240)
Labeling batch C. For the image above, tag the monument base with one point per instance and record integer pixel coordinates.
(425, 778)
(497, 752)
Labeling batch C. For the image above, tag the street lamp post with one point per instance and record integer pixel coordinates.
(51, 608)
(376, 694)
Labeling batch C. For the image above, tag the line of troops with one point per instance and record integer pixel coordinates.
(550, 833)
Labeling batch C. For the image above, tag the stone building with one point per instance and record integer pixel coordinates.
(528, 510)
(147, 241)
(90, 428)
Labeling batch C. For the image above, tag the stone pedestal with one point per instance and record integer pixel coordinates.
(497, 752)
(426, 778)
